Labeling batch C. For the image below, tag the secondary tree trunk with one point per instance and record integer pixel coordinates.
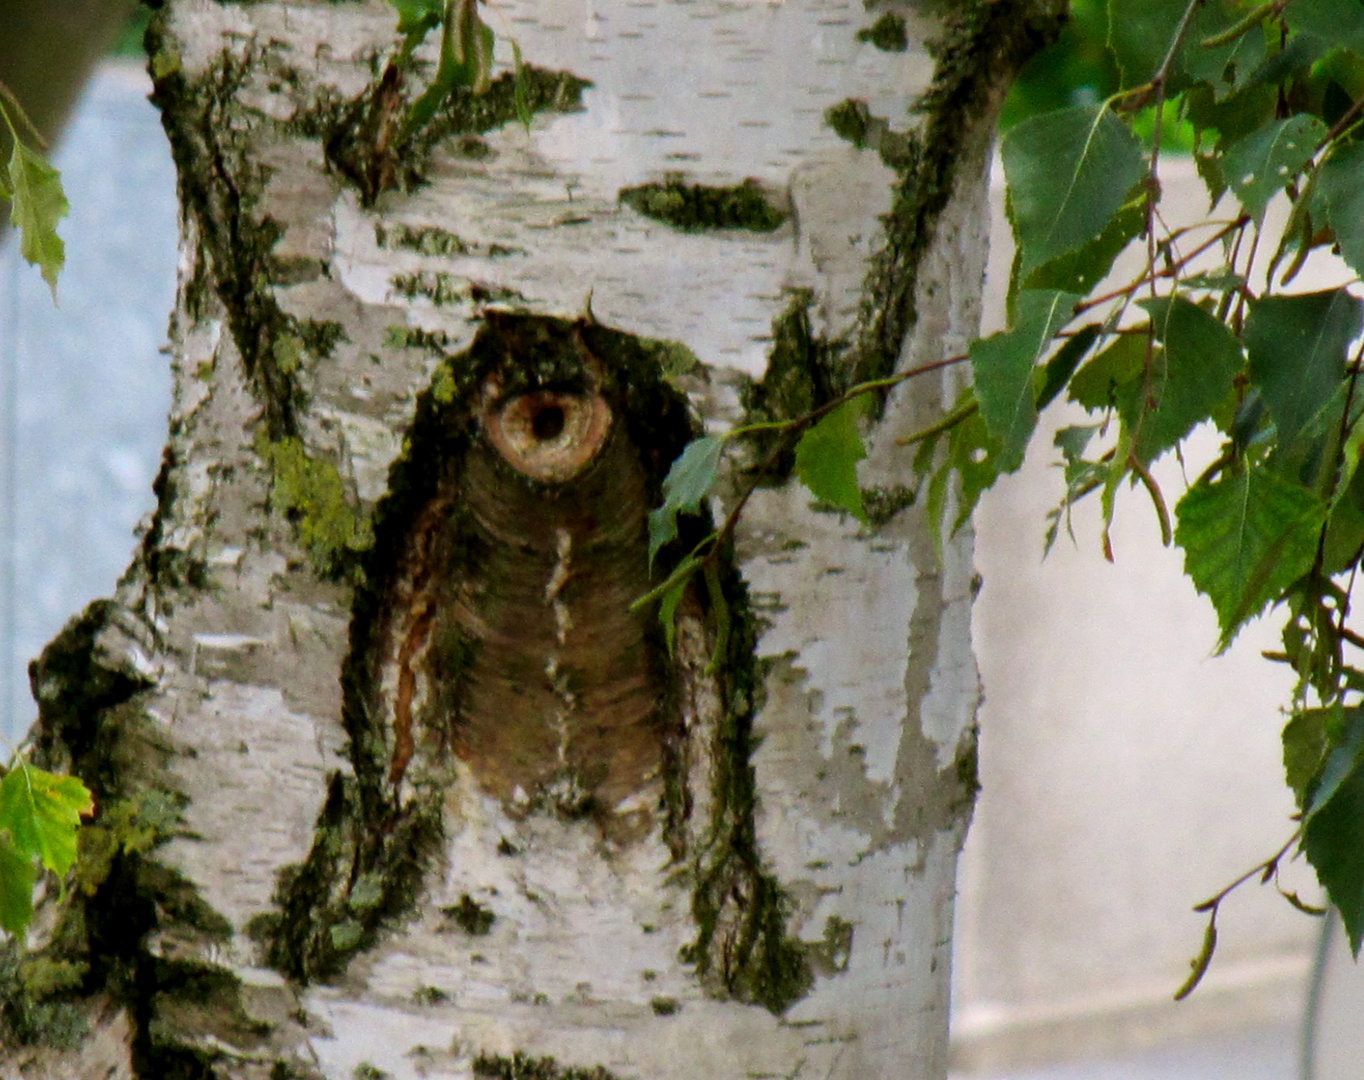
(390, 779)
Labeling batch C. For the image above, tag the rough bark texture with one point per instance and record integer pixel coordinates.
(391, 781)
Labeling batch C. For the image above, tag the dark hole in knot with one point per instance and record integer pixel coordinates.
(548, 422)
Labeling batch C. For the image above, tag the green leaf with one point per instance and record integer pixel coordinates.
(1337, 22)
(1099, 383)
(1228, 67)
(1296, 347)
(1062, 365)
(667, 610)
(1260, 165)
(973, 456)
(1246, 537)
(1210, 171)
(1342, 759)
(466, 47)
(466, 57)
(42, 811)
(1304, 744)
(1340, 183)
(1081, 477)
(418, 15)
(1139, 35)
(16, 889)
(37, 203)
(1002, 366)
(687, 483)
(1333, 828)
(1080, 270)
(1189, 377)
(1068, 173)
(827, 457)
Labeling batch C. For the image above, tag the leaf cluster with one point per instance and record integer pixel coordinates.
(1209, 331)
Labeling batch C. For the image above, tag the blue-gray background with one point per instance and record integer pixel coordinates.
(84, 386)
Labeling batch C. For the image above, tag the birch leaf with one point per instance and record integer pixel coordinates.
(1189, 377)
(1296, 346)
(1003, 366)
(520, 91)
(687, 483)
(1260, 165)
(1069, 172)
(1333, 827)
(16, 889)
(37, 203)
(41, 811)
(1345, 201)
(827, 457)
(1246, 538)
(1339, 22)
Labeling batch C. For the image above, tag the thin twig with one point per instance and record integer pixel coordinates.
(1262, 869)
(1169, 271)
(8, 95)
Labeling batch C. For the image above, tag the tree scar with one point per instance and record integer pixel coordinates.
(512, 646)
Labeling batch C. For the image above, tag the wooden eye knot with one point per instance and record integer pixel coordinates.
(548, 435)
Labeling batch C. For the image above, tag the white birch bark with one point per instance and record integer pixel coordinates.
(230, 643)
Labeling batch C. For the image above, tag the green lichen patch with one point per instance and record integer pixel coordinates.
(468, 113)
(423, 239)
(882, 504)
(887, 33)
(370, 146)
(853, 120)
(132, 826)
(309, 491)
(414, 337)
(294, 269)
(432, 240)
(316, 929)
(36, 1015)
(470, 916)
(442, 288)
(831, 954)
(320, 336)
(744, 948)
(700, 207)
(519, 1066)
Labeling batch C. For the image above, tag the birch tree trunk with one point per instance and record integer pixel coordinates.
(391, 780)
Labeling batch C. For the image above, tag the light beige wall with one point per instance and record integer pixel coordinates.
(1128, 774)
